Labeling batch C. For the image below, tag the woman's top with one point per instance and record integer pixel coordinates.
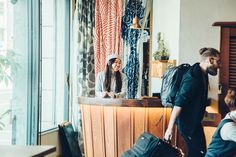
(223, 141)
(99, 86)
(228, 131)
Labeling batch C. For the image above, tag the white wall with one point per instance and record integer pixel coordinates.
(195, 19)
(166, 20)
(196, 30)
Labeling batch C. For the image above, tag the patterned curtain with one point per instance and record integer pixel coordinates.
(108, 16)
(85, 57)
(82, 59)
(130, 38)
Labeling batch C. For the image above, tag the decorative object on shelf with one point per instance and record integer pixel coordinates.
(162, 51)
(135, 24)
(160, 67)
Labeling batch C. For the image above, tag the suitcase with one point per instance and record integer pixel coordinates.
(149, 145)
(69, 140)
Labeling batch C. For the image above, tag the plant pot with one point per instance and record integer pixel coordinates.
(164, 57)
(161, 58)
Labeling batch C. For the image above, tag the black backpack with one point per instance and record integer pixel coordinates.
(149, 145)
(171, 83)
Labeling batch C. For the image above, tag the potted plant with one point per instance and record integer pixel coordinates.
(162, 51)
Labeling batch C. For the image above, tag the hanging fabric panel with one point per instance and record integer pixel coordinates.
(130, 38)
(82, 60)
(85, 58)
(108, 16)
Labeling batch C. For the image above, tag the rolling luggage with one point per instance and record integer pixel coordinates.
(149, 145)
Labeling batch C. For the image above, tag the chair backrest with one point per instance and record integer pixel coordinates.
(69, 140)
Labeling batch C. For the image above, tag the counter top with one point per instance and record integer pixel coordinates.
(144, 102)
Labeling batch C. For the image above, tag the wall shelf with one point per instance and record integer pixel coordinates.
(159, 67)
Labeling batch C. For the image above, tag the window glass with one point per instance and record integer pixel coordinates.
(54, 53)
(1, 36)
(13, 72)
(1, 8)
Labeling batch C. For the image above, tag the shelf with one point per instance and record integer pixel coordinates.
(159, 67)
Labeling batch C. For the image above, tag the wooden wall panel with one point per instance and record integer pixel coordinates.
(140, 122)
(98, 131)
(155, 121)
(87, 130)
(110, 131)
(124, 132)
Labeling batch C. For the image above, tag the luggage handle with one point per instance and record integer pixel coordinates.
(181, 153)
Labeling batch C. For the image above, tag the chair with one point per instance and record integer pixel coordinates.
(69, 140)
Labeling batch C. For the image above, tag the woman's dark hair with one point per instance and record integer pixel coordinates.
(108, 74)
(230, 99)
(208, 52)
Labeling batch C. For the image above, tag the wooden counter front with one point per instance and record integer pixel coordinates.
(111, 126)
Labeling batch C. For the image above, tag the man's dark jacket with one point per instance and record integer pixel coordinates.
(192, 97)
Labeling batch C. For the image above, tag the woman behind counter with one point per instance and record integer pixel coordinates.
(111, 83)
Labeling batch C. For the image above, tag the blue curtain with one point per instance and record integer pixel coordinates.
(130, 38)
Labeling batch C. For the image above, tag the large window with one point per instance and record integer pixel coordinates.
(1, 8)
(14, 87)
(34, 35)
(1, 36)
(55, 54)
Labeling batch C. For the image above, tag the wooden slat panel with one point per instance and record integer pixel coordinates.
(155, 121)
(98, 131)
(233, 31)
(110, 131)
(124, 129)
(232, 62)
(87, 130)
(139, 122)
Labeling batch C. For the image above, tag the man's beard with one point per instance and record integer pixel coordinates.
(212, 71)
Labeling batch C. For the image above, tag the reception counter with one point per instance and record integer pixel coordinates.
(111, 126)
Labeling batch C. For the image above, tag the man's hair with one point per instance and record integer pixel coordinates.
(208, 52)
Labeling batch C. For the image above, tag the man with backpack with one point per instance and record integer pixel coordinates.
(190, 102)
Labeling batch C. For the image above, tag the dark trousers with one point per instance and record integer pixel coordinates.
(196, 143)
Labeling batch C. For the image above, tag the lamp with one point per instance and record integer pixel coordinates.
(135, 24)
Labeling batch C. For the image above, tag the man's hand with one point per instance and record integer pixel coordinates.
(174, 114)
(168, 135)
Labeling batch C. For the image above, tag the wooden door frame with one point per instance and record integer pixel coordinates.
(226, 32)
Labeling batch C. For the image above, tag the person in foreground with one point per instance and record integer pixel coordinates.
(223, 142)
(111, 83)
(190, 103)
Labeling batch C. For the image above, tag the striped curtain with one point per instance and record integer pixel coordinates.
(107, 40)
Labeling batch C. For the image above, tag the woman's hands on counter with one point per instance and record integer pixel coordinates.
(108, 95)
